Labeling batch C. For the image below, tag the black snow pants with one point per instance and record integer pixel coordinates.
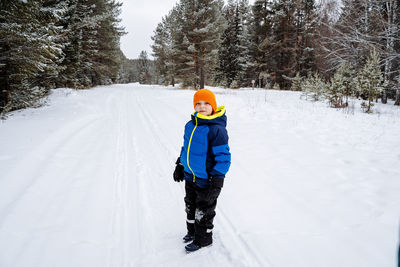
(200, 210)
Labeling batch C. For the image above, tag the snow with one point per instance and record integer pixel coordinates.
(87, 181)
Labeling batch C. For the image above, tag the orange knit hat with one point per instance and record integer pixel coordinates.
(205, 95)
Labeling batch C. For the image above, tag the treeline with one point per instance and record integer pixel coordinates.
(46, 44)
(141, 70)
(273, 40)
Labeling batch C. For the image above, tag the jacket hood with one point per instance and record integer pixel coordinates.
(218, 117)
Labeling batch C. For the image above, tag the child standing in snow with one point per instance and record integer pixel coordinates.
(203, 163)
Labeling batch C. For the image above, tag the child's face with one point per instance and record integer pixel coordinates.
(204, 108)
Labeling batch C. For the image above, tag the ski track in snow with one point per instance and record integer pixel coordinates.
(87, 181)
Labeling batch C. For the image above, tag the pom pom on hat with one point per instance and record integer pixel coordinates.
(205, 95)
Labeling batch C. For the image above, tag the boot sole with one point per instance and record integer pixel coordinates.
(188, 252)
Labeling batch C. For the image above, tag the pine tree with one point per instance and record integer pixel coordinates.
(229, 65)
(163, 47)
(30, 50)
(334, 92)
(92, 53)
(81, 45)
(296, 83)
(107, 60)
(285, 38)
(244, 76)
(261, 42)
(160, 39)
(305, 25)
(341, 86)
(314, 86)
(196, 45)
(370, 81)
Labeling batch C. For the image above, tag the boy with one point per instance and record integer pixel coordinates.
(203, 163)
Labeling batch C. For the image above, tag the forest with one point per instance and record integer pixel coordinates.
(332, 50)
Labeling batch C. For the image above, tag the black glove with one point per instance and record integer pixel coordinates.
(179, 171)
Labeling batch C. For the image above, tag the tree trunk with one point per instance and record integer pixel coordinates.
(384, 97)
(397, 103)
(201, 78)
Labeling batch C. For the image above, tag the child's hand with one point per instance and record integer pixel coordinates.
(179, 171)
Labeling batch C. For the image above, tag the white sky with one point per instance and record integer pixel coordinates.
(140, 18)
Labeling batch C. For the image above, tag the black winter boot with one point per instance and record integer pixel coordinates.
(187, 238)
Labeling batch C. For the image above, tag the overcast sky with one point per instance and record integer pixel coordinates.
(140, 18)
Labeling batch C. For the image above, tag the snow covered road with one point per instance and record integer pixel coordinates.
(87, 181)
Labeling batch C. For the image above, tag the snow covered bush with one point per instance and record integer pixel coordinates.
(296, 83)
(314, 87)
(341, 86)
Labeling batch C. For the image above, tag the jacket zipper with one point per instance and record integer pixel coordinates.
(190, 142)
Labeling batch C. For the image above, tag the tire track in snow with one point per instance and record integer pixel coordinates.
(51, 203)
(117, 252)
(251, 257)
(33, 163)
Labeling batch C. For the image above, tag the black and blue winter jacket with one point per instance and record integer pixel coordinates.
(205, 152)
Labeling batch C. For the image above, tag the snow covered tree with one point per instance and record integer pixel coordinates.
(107, 60)
(197, 39)
(285, 38)
(244, 76)
(92, 51)
(261, 42)
(163, 47)
(231, 50)
(305, 24)
(370, 81)
(282, 34)
(49, 43)
(334, 91)
(159, 47)
(144, 68)
(328, 12)
(342, 86)
(80, 27)
(314, 86)
(30, 51)
(296, 83)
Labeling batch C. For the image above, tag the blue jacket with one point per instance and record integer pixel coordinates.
(205, 152)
